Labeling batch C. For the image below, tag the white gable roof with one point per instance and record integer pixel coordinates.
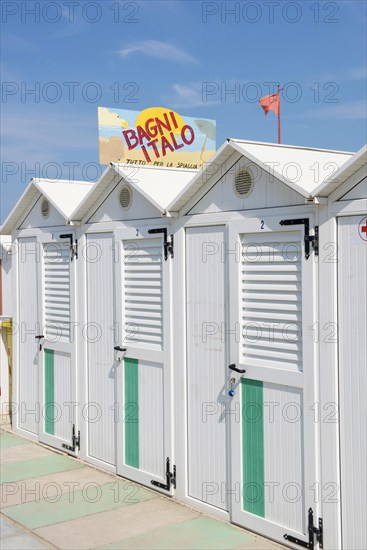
(357, 161)
(199, 179)
(301, 168)
(159, 185)
(64, 195)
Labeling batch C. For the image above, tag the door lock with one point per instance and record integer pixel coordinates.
(232, 391)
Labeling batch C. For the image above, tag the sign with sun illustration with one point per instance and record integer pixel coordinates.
(156, 136)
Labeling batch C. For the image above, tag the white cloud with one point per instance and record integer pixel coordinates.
(110, 118)
(358, 73)
(160, 50)
(16, 43)
(348, 75)
(188, 95)
(354, 110)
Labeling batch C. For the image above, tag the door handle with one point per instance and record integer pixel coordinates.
(233, 367)
(39, 338)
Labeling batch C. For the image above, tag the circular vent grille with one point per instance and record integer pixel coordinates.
(243, 183)
(45, 208)
(125, 197)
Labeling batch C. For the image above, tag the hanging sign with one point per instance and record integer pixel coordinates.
(156, 136)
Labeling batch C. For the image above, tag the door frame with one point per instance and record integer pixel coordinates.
(267, 225)
(69, 348)
(137, 232)
(180, 314)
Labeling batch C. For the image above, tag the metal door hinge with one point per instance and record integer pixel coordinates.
(73, 244)
(170, 478)
(312, 530)
(75, 442)
(167, 245)
(39, 338)
(309, 239)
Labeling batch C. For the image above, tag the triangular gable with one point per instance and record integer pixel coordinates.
(35, 219)
(109, 208)
(220, 194)
(339, 183)
(63, 196)
(160, 185)
(157, 185)
(293, 166)
(358, 192)
(201, 178)
(301, 168)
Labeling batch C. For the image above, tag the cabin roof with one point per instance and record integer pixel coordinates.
(64, 195)
(300, 168)
(331, 183)
(159, 185)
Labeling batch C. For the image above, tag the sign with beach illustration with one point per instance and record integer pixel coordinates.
(156, 136)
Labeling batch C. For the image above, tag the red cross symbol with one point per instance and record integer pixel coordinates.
(362, 229)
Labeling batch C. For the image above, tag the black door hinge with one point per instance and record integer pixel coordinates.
(313, 239)
(75, 442)
(73, 245)
(311, 532)
(170, 478)
(167, 245)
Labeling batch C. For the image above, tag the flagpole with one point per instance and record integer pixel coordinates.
(279, 116)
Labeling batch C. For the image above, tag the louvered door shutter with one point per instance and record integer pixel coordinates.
(143, 293)
(56, 290)
(272, 303)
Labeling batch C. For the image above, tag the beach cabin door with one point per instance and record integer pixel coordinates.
(271, 371)
(144, 386)
(56, 342)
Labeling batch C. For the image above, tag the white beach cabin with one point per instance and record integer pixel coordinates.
(204, 333)
(343, 352)
(247, 352)
(126, 303)
(44, 248)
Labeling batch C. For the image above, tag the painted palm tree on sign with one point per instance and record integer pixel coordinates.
(208, 129)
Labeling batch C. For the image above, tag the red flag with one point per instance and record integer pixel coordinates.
(271, 103)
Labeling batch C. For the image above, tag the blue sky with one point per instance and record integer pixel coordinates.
(186, 55)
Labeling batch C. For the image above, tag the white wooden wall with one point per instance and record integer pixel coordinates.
(352, 301)
(110, 209)
(206, 365)
(268, 192)
(35, 218)
(100, 358)
(358, 192)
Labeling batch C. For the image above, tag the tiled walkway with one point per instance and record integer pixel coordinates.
(67, 504)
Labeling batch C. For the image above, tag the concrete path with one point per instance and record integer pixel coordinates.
(50, 500)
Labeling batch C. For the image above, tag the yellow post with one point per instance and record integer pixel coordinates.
(7, 324)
